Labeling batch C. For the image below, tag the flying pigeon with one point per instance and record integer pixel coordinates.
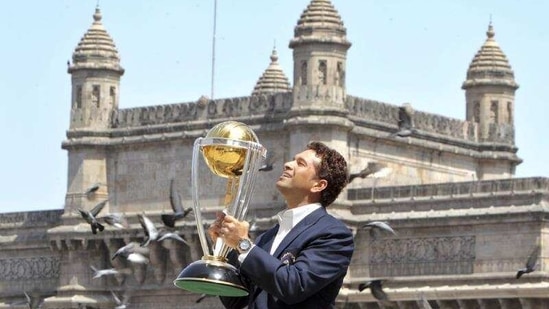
(151, 232)
(405, 121)
(98, 273)
(177, 207)
(90, 216)
(371, 169)
(91, 190)
(530, 263)
(133, 253)
(115, 219)
(374, 226)
(376, 289)
(171, 235)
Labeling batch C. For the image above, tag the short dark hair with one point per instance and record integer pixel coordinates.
(332, 168)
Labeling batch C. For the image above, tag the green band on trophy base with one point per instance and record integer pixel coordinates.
(212, 278)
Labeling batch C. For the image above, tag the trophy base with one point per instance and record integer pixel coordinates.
(211, 276)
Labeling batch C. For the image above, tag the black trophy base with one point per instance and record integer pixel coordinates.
(212, 277)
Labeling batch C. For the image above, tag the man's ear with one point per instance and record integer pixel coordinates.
(320, 185)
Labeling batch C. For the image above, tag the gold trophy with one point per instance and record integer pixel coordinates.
(230, 150)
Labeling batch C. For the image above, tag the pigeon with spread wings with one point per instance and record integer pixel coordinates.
(177, 207)
(530, 262)
(90, 216)
(371, 169)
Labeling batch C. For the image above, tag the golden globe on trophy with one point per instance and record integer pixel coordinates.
(230, 150)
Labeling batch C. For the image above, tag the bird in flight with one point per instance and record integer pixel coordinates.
(376, 227)
(91, 216)
(133, 252)
(98, 273)
(530, 262)
(372, 169)
(376, 288)
(405, 121)
(151, 232)
(115, 219)
(92, 189)
(177, 207)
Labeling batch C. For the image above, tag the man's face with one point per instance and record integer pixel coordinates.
(300, 174)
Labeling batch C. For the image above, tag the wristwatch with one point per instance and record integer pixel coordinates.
(244, 244)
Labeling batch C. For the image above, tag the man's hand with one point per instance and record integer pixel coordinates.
(232, 231)
(215, 227)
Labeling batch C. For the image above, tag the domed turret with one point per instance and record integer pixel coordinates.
(96, 49)
(273, 79)
(320, 21)
(96, 73)
(320, 54)
(490, 67)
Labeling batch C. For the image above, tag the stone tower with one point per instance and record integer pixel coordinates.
(490, 87)
(95, 76)
(319, 53)
(490, 95)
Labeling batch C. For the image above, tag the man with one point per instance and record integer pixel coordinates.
(300, 262)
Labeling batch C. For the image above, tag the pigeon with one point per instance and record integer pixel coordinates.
(370, 170)
(133, 253)
(90, 216)
(376, 289)
(405, 121)
(91, 190)
(151, 232)
(378, 225)
(268, 163)
(530, 263)
(115, 219)
(178, 211)
(121, 304)
(166, 235)
(98, 273)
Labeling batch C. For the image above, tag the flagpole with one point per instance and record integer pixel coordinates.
(213, 50)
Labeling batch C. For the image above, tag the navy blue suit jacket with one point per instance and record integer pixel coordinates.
(305, 271)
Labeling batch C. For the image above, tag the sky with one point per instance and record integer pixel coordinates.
(402, 51)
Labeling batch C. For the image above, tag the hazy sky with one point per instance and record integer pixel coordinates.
(403, 51)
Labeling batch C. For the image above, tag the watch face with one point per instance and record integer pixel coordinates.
(244, 244)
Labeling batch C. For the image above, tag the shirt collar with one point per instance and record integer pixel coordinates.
(289, 218)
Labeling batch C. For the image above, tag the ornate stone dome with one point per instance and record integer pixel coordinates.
(490, 66)
(320, 22)
(96, 49)
(273, 79)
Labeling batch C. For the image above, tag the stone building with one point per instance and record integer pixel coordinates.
(464, 225)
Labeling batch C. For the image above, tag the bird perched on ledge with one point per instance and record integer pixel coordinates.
(405, 121)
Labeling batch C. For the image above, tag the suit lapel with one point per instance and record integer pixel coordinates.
(265, 241)
(303, 225)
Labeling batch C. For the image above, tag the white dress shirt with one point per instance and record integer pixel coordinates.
(289, 218)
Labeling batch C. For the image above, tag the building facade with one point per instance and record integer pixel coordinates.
(464, 224)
